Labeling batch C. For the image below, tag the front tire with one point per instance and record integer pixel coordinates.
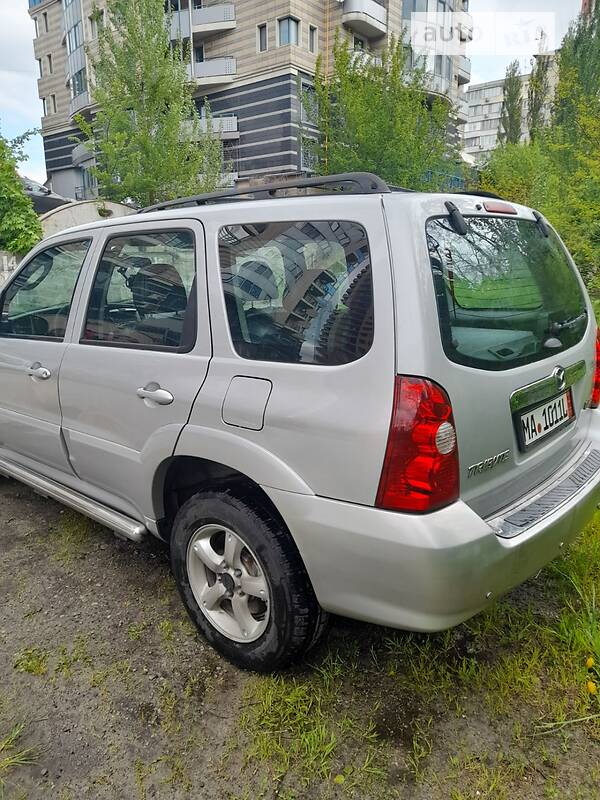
(243, 582)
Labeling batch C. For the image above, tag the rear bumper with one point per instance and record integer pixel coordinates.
(429, 572)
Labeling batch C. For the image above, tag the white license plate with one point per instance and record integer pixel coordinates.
(540, 422)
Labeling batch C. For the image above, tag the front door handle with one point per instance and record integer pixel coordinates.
(153, 395)
(37, 371)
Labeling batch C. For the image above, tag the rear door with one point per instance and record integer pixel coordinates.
(509, 332)
(35, 309)
(140, 354)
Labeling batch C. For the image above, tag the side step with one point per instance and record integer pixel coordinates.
(117, 522)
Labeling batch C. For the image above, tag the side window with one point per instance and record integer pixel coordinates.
(38, 301)
(298, 292)
(144, 292)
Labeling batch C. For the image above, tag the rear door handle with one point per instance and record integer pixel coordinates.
(38, 371)
(152, 395)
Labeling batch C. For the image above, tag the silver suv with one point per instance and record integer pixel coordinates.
(326, 396)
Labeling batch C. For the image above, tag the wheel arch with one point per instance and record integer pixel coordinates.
(182, 476)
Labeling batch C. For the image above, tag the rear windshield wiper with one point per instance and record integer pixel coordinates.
(557, 327)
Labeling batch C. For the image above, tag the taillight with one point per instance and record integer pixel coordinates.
(595, 398)
(420, 470)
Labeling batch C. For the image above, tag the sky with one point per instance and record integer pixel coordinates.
(21, 109)
(492, 67)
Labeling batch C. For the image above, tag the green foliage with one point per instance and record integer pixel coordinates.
(512, 106)
(559, 172)
(147, 138)
(376, 115)
(12, 755)
(518, 172)
(537, 95)
(20, 228)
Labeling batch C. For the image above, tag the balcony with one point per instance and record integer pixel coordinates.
(79, 103)
(205, 21)
(213, 71)
(365, 17)
(464, 23)
(437, 84)
(364, 58)
(81, 154)
(463, 70)
(225, 127)
(462, 110)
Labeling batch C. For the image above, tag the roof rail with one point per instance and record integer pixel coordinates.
(365, 183)
(479, 193)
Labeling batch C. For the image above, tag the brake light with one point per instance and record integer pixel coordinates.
(595, 398)
(420, 470)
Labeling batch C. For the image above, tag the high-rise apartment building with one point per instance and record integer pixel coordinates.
(247, 57)
(485, 100)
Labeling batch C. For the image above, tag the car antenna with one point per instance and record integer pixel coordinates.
(457, 220)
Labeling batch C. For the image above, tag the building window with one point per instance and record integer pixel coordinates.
(199, 54)
(74, 37)
(49, 60)
(37, 27)
(44, 107)
(39, 62)
(289, 31)
(52, 109)
(308, 156)
(197, 5)
(309, 105)
(359, 44)
(312, 39)
(45, 18)
(78, 83)
(261, 38)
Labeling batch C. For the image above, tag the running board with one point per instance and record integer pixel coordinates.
(117, 522)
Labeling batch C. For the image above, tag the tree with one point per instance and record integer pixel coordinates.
(537, 95)
(559, 172)
(512, 106)
(377, 116)
(20, 227)
(146, 135)
(521, 173)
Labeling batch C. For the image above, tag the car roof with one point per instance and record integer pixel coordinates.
(430, 204)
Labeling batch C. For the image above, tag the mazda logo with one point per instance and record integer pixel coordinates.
(559, 376)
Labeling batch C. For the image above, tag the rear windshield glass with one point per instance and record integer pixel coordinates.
(506, 294)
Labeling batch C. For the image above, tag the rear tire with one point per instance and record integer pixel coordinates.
(243, 582)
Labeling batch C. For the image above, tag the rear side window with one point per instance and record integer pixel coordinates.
(506, 294)
(143, 293)
(298, 292)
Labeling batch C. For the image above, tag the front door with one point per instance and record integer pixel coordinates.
(34, 313)
(139, 356)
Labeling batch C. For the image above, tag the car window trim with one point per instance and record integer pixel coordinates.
(192, 307)
(41, 248)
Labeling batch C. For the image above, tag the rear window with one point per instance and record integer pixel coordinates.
(506, 294)
(298, 292)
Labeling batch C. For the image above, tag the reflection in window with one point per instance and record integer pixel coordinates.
(143, 292)
(298, 291)
(506, 294)
(38, 301)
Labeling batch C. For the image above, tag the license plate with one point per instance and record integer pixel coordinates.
(537, 423)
